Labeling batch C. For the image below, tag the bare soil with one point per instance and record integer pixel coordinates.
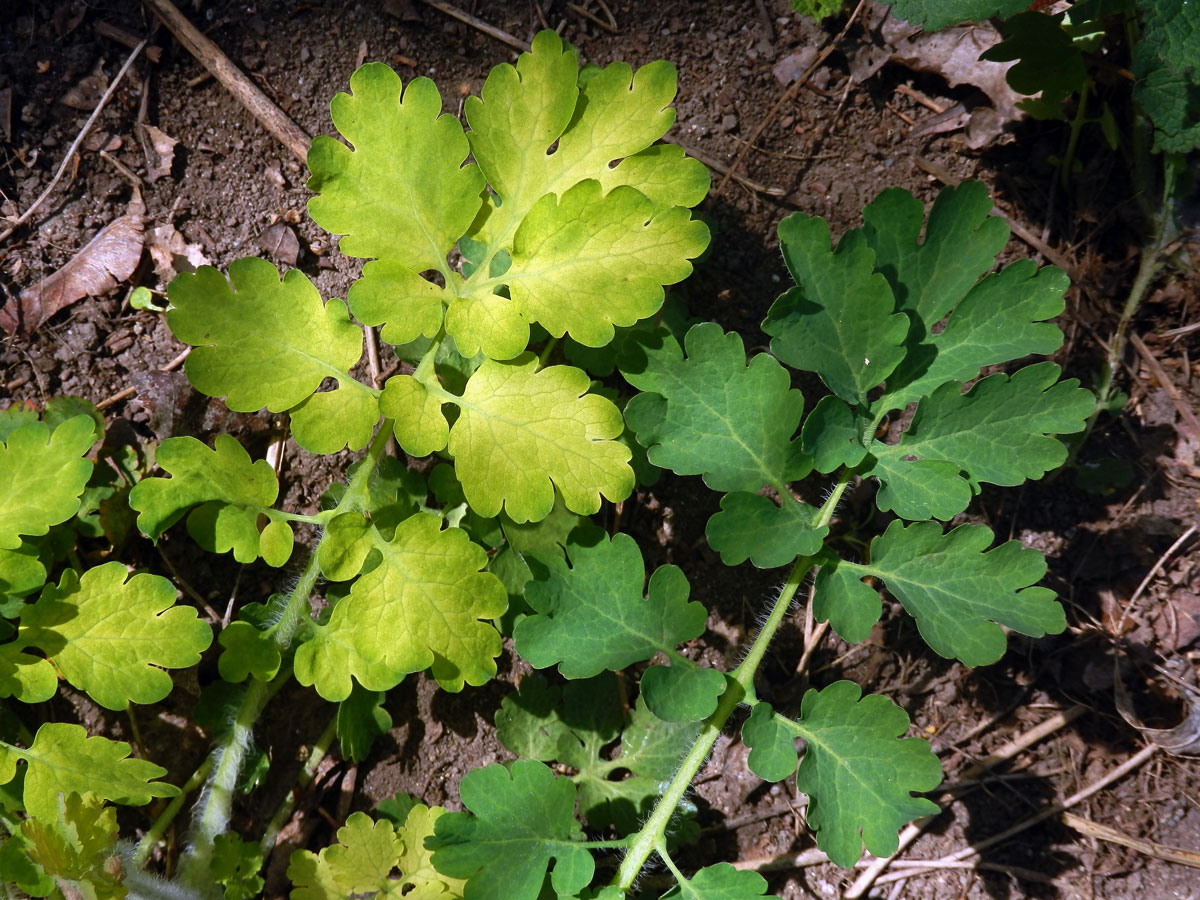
(232, 190)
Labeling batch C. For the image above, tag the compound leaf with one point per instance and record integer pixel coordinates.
(833, 435)
(42, 475)
(112, 635)
(937, 14)
(858, 776)
(421, 607)
(772, 742)
(1002, 431)
(402, 194)
(959, 594)
(523, 432)
(711, 414)
(593, 616)
(683, 691)
(575, 724)
(838, 321)
(520, 821)
(721, 882)
(296, 343)
(63, 758)
(589, 260)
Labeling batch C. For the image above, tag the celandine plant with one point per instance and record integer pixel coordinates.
(569, 219)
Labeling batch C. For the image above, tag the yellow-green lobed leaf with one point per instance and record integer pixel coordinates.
(523, 432)
(42, 475)
(421, 607)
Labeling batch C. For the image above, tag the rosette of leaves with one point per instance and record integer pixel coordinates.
(568, 216)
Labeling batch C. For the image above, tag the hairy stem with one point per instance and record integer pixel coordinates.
(740, 686)
(230, 753)
(146, 845)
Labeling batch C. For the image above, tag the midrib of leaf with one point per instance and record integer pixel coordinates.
(845, 762)
(892, 577)
(446, 397)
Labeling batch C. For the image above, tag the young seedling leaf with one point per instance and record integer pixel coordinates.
(299, 341)
(521, 821)
(711, 414)
(858, 773)
(235, 866)
(592, 615)
(361, 719)
(42, 475)
(1002, 431)
(247, 651)
(421, 607)
(935, 15)
(839, 320)
(63, 758)
(958, 593)
(1049, 62)
(77, 845)
(361, 862)
(721, 882)
(962, 238)
(522, 433)
(1003, 317)
(754, 527)
(112, 635)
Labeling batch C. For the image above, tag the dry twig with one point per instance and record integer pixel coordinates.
(20, 220)
(787, 95)
(491, 30)
(245, 91)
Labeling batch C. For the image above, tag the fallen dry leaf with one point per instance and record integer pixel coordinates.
(280, 243)
(160, 152)
(1183, 739)
(171, 253)
(86, 94)
(108, 259)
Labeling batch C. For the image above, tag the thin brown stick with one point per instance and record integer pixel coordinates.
(1147, 848)
(16, 223)
(245, 91)
(1134, 762)
(946, 177)
(588, 14)
(128, 392)
(1160, 374)
(1154, 570)
(915, 829)
(721, 168)
(787, 95)
(491, 30)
